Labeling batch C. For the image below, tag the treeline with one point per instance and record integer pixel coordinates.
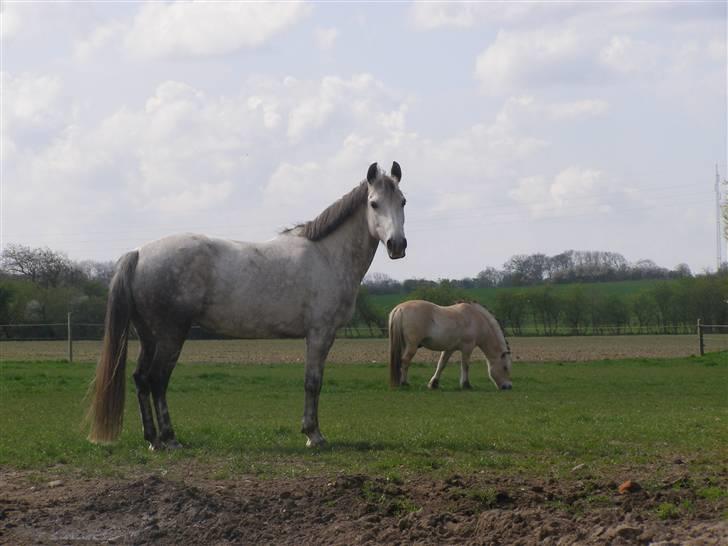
(579, 309)
(537, 295)
(571, 266)
(41, 286)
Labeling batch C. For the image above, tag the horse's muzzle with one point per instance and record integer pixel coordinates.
(396, 247)
(506, 386)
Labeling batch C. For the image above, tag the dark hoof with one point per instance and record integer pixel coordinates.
(466, 386)
(433, 385)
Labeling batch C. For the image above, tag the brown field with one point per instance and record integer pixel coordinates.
(526, 349)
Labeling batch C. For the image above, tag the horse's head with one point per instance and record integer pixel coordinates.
(385, 209)
(499, 369)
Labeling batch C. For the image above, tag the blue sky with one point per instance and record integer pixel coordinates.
(520, 127)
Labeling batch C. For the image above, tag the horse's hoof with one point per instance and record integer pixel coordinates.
(466, 386)
(155, 445)
(433, 385)
(173, 444)
(316, 441)
(404, 384)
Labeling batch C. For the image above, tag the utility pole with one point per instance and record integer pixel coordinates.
(718, 225)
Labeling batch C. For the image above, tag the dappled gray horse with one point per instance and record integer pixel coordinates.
(302, 283)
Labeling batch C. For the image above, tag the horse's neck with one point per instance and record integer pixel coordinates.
(492, 338)
(351, 247)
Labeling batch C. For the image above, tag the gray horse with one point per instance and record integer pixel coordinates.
(302, 283)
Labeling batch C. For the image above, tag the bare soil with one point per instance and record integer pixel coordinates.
(345, 351)
(356, 509)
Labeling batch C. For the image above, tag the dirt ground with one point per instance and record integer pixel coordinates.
(526, 349)
(356, 509)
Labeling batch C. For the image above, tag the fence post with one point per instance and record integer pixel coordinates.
(70, 339)
(701, 343)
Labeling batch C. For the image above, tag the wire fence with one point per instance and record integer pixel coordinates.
(710, 337)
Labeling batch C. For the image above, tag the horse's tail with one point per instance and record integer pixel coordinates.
(106, 412)
(396, 344)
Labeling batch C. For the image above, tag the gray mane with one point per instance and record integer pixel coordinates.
(337, 213)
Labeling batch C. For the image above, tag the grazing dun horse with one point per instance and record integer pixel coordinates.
(460, 327)
(302, 283)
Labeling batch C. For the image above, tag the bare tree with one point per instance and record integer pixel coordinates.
(42, 266)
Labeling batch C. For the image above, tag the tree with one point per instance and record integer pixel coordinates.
(510, 308)
(488, 278)
(575, 309)
(366, 313)
(444, 294)
(42, 266)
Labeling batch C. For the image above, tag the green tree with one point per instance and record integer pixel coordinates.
(510, 308)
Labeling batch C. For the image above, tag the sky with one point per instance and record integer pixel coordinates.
(521, 127)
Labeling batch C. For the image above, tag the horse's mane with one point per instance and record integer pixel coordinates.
(338, 212)
(489, 314)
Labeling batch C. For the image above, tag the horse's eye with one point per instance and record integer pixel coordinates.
(374, 205)
(404, 202)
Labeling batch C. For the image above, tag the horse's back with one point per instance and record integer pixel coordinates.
(230, 287)
(432, 326)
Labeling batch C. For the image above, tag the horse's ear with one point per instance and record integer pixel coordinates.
(372, 173)
(396, 171)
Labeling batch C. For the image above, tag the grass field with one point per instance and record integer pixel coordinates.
(245, 419)
(486, 296)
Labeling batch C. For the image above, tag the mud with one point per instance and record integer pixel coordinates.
(357, 509)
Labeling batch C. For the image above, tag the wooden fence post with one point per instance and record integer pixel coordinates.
(701, 343)
(70, 339)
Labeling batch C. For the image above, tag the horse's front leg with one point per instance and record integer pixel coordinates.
(465, 369)
(435, 381)
(318, 344)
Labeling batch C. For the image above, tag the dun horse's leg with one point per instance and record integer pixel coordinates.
(464, 370)
(435, 381)
(317, 348)
(143, 388)
(165, 360)
(407, 357)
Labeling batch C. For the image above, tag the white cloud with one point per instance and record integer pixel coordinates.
(85, 48)
(518, 60)
(198, 29)
(326, 37)
(29, 99)
(625, 55)
(573, 190)
(10, 21)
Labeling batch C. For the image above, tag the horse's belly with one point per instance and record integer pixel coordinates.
(254, 319)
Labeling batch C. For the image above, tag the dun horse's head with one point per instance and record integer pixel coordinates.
(499, 370)
(385, 209)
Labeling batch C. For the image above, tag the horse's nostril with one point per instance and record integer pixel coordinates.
(404, 243)
(389, 244)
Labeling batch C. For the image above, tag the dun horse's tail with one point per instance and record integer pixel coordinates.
(108, 388)
(396, 344)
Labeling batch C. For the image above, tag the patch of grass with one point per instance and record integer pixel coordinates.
(667, 510)
(712, 493)
(245, 419)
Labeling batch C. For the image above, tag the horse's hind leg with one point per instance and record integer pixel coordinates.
(409, 354)
(441, 363)
(143, 388)
(165, 359)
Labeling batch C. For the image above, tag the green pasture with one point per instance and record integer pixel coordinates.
(237, 419)
(486, 296)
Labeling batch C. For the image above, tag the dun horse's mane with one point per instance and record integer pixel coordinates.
(490, 314)
(338, 212)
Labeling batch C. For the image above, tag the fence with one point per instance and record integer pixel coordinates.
(712, 336)
(709, 332)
